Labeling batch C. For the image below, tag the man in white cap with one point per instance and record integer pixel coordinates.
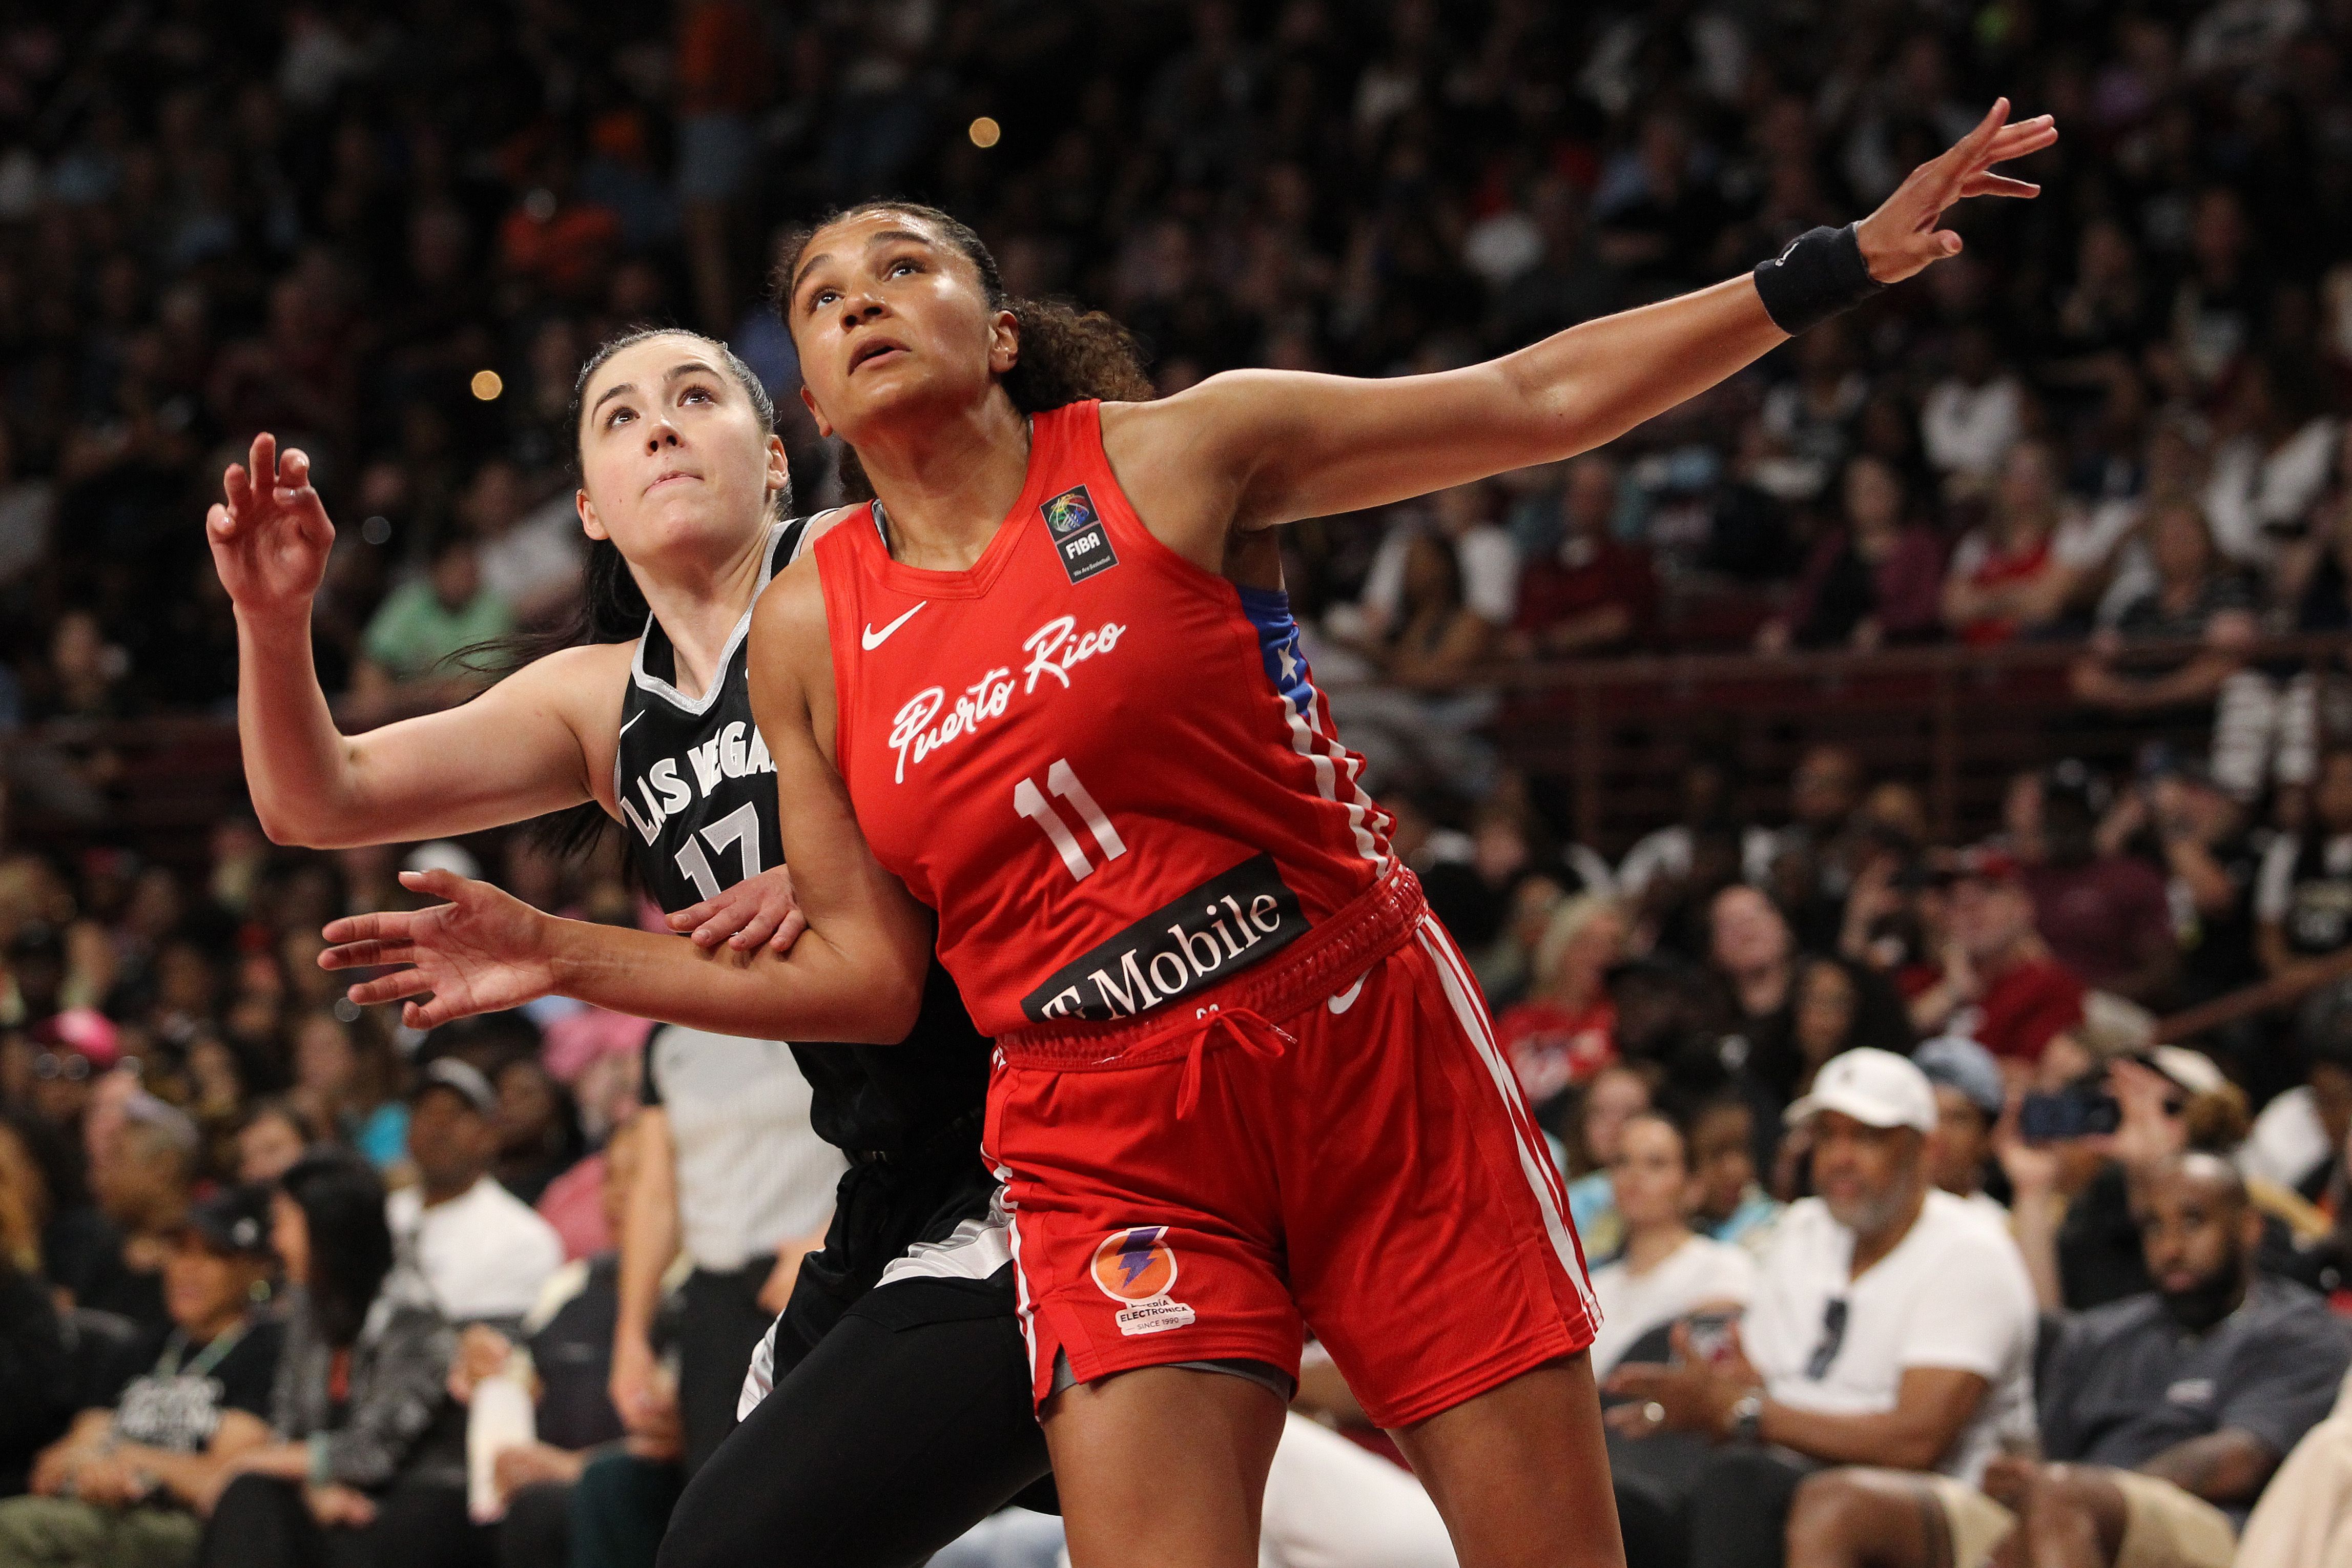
(1894, 1326)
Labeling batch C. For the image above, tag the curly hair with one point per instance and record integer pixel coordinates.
(1066, 354)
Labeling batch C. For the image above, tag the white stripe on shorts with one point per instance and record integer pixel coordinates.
(1533, 1160)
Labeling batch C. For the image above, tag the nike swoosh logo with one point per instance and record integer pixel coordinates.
(1346, 999)
(874, 639)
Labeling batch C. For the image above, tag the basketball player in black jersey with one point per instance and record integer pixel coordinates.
(897, 1364)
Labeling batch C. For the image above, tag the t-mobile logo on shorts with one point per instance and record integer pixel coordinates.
(1227, 923)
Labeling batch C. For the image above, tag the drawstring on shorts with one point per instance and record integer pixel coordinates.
(1251, 1029)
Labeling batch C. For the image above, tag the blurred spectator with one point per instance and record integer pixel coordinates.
(2302, 903)
(1732, 1204)
(2194, 600)
(421, 624)
(1755, 955)
(346, 1079)
(367, 1451)
(1891, 1319)
(2162, 1416)
(2005, 580)
(1595, 594)
(538, 1128)
(183, 1399)
(270, 1141)
(1610, 1098)
(1877, 581)
(531, 560)
(483, 1254)
(2273, 460)
(36, 1377)
(141, 1176)
(1564, 1032)
(1969, 1098)
(2106, 915)
(1415, 728)
(2297, 1142)
(1972, 418)
(1664, 1272)
(568, 1336)
(1487, 560)
(1998, 983)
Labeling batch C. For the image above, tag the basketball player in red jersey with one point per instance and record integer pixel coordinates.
(1048, 684)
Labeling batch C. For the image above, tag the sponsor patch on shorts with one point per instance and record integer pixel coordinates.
(1138, 1266)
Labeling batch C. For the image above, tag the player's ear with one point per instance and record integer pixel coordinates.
(590, 523)
(1003, 342)
(808, 401)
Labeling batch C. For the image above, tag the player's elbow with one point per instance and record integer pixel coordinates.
(894, 1005)
(284, 825)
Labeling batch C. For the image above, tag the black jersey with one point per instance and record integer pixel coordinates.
(697, 796)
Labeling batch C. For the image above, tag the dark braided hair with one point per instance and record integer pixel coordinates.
(1066, 354)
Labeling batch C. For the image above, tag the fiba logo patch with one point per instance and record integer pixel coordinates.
(1079, 537)
(1138, 1266)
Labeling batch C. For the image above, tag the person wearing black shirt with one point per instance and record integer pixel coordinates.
(120, 1486)
(2162, 1416)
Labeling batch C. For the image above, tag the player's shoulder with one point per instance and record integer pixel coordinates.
(589, 673)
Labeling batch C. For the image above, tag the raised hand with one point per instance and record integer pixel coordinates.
(269, 533)
(1901, 237)
(756, 910)
(482, 952)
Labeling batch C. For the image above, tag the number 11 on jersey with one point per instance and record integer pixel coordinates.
(1030, 802)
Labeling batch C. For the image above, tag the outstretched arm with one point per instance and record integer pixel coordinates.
(513, 752)
(855, 974)
(1254, 448)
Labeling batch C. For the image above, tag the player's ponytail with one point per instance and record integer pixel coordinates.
(1066, 354)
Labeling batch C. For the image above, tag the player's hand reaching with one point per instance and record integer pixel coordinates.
(269, 532)
(1901, 238)
(482, 952)
(756, 910)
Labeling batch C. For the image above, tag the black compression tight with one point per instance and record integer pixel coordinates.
(881, 1446)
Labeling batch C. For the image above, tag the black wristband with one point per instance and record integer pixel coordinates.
(1820, 274)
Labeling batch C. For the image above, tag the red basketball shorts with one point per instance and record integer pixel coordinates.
(1378, 1182)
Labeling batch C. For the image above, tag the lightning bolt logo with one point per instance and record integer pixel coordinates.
(1135, 1254)
(1136, 1264)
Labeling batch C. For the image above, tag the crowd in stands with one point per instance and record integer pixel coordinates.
(1884, 1126)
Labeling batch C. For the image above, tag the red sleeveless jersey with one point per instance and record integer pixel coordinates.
(1108, 770)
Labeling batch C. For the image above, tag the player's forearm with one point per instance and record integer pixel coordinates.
(817, 992)
(1584, 387)
(297, 764)
(649, 1230)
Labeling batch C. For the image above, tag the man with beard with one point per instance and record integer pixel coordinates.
(1894, 1325)
(2162, 1416)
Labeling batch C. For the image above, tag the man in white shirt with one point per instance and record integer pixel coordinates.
(1894, 1326)
(481, 1250)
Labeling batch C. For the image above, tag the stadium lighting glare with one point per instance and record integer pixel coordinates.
(986, 132)
(487, 384)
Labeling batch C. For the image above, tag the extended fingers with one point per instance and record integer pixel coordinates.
(380, 925)
(1999, 185)
(390, 987)
(367, 955)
